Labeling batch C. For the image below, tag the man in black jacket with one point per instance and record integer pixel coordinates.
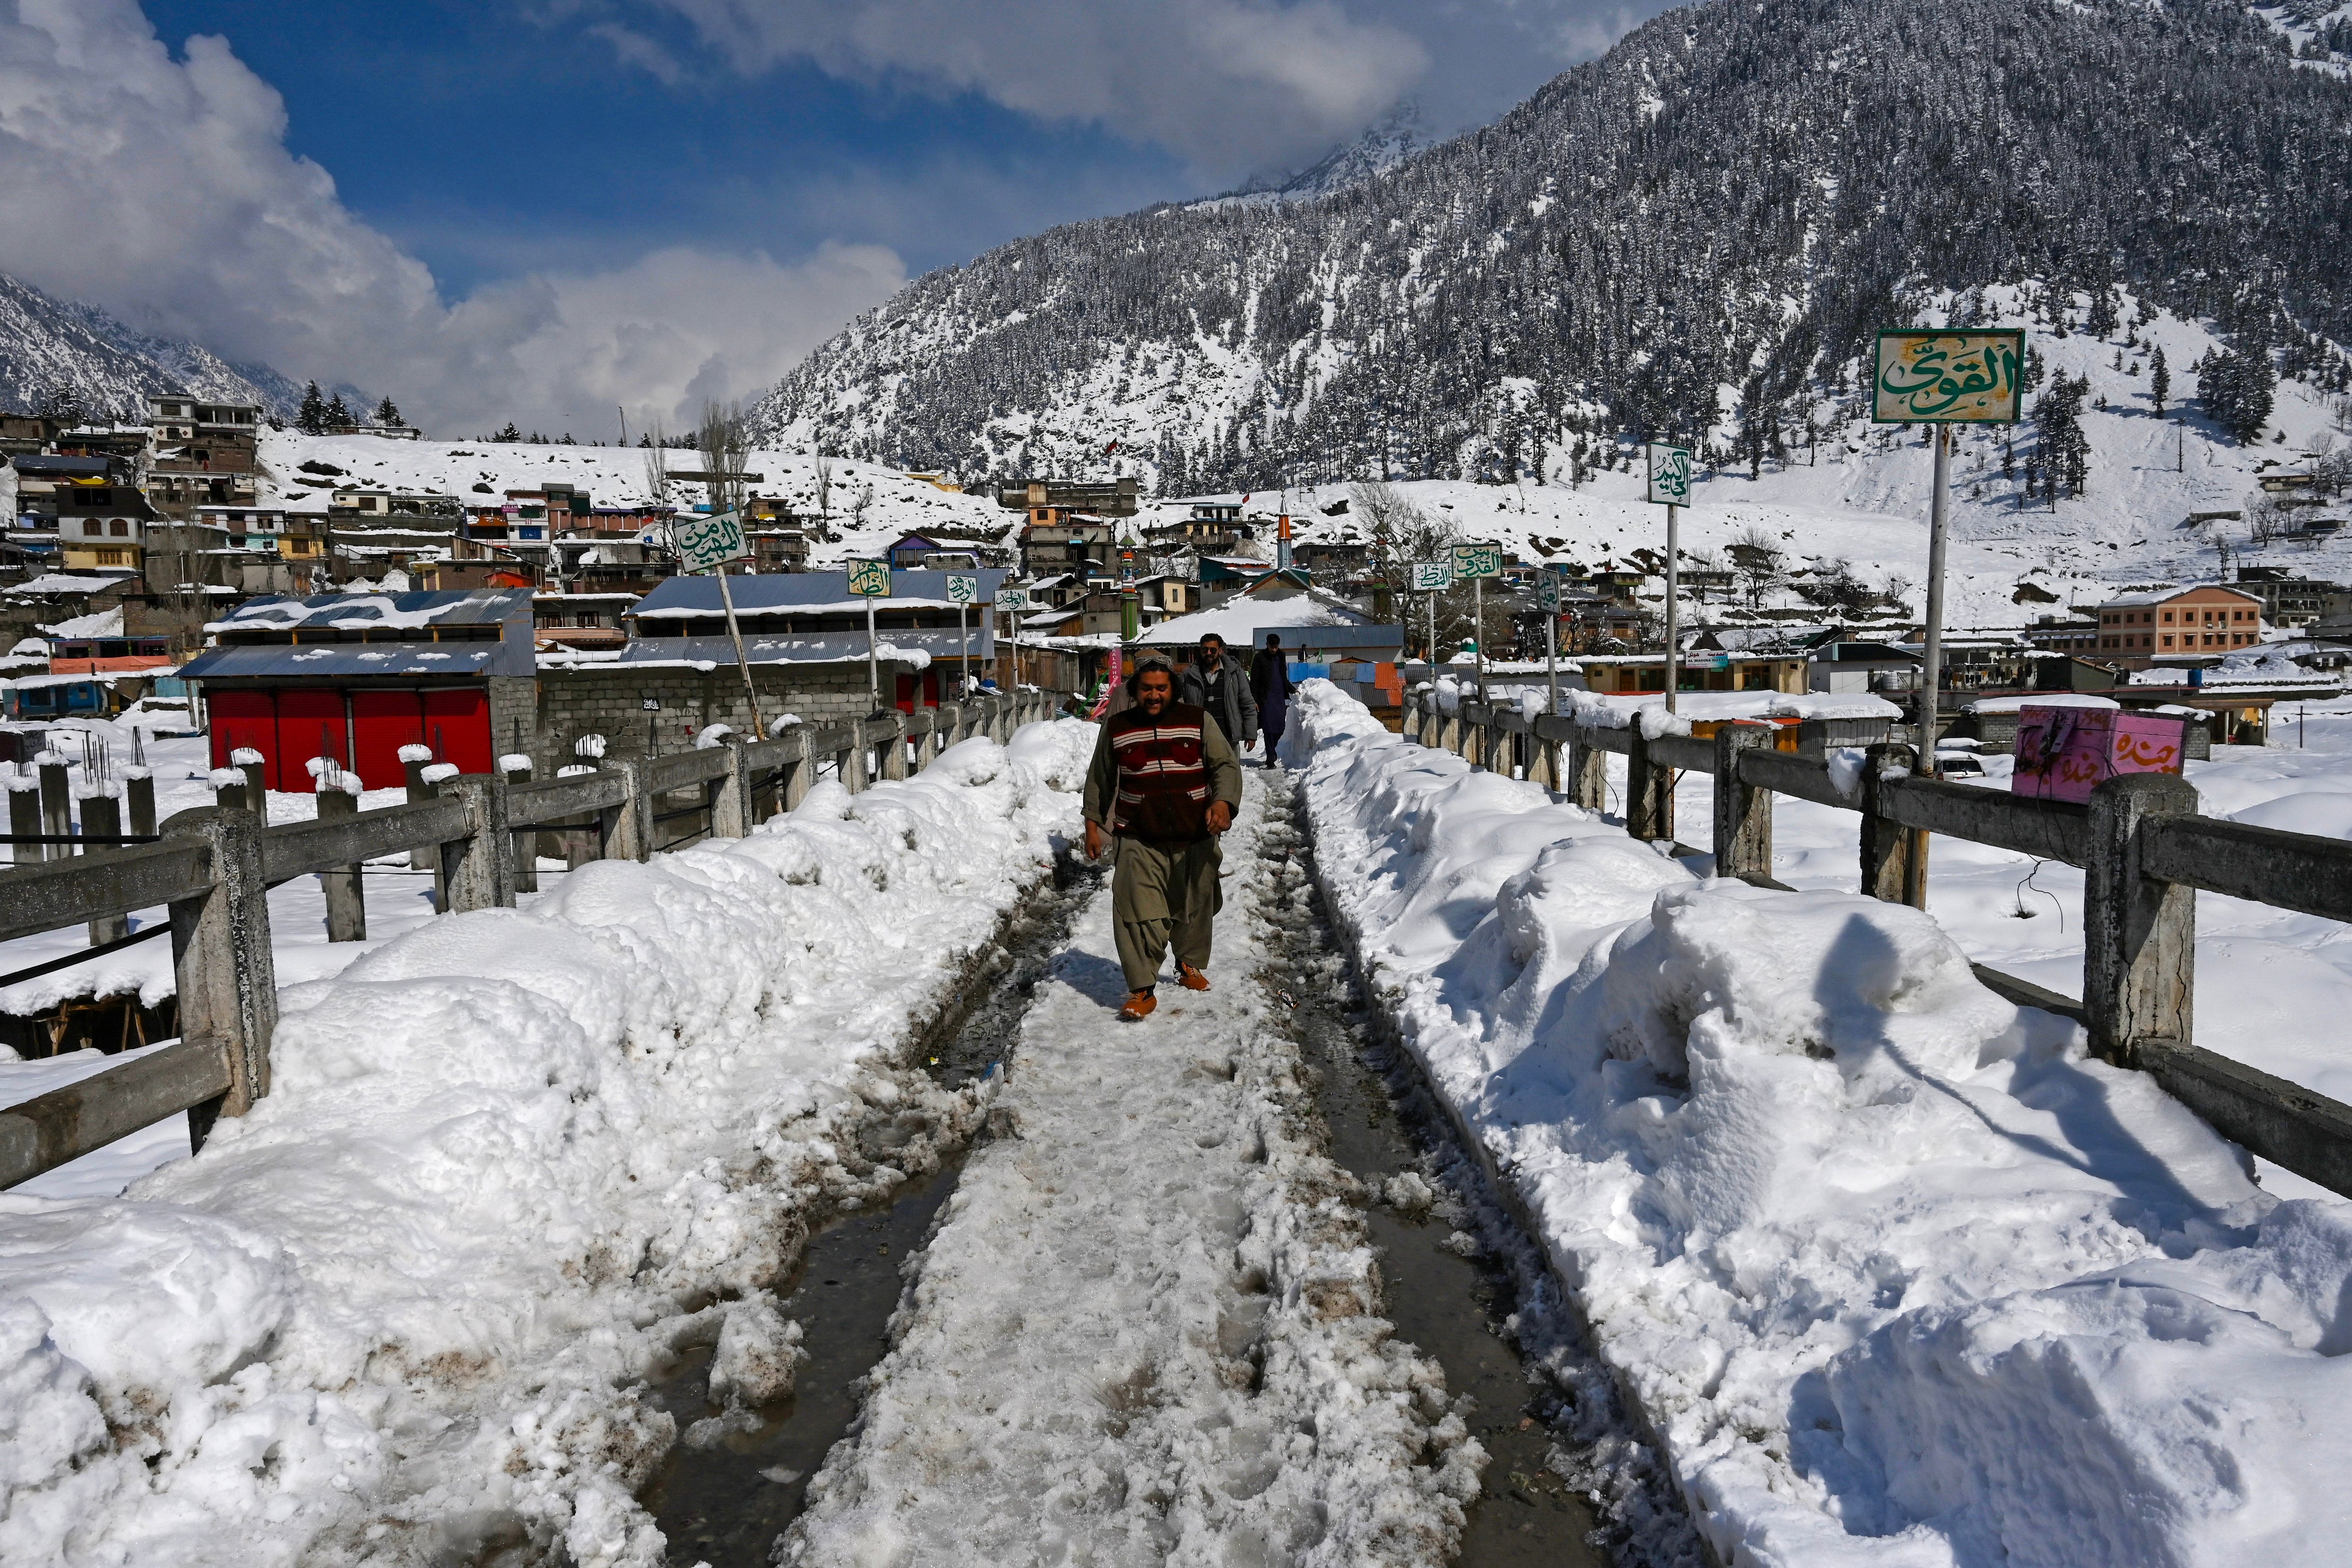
(1270, 684)
(1216, 682)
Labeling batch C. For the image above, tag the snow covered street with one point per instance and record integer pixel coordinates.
(1149, 1328)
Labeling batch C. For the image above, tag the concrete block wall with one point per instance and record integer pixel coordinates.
(610, 702)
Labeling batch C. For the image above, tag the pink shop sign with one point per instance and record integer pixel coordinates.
(2064, 754)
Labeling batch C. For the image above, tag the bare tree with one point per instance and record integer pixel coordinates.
(657, 469)
(1757, 556)
(823, 470)
(726, 448)
(858, 508)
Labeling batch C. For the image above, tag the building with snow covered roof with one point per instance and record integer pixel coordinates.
(2177, 624)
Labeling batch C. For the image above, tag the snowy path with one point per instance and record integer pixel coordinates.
(1147, 1330)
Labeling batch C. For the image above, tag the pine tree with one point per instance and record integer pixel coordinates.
(387, 413)
(2065, 451)
(339, 413)
(2237, 388)
(2160, 380)
(310, 418)
(510, 434)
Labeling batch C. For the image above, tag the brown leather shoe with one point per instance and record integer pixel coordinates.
(1138, 1007)
(1191, 978)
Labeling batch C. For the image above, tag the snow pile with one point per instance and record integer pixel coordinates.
(1899, 1276)
(400, 1311)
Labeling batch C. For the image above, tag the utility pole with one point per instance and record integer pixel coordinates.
(1674, 604)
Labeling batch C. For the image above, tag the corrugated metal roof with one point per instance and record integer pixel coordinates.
(446, 607)
(312, 661)
(770, 593)
(830, 648)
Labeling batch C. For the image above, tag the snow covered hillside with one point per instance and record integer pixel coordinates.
(49, 345)
(1900, 1277)
(512, 1162)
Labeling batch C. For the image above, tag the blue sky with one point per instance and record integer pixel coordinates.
(538, 209)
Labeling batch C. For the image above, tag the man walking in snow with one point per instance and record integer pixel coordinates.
(1164, 785)
(1270, 683)
(1216, 682)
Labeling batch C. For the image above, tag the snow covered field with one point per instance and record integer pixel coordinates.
(1899, 1276)
(511, 1160)
(1147, 1329)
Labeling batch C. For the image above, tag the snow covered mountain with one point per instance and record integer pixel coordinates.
(1695, 233)
(48, 346)
(1391, 140)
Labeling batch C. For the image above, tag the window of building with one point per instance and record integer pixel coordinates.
(2168, 618)
(119, 528)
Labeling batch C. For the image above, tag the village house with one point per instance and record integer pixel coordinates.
(2136, 630)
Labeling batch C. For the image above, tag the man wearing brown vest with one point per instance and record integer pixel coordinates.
(1164, 785)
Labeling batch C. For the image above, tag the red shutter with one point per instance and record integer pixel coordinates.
(457, 726)
(906, 694)
(382, 722)
(309, 724)
(242, 719)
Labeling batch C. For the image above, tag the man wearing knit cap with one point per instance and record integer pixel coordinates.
(1164, 785)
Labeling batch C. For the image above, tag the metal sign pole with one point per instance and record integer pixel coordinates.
(1551, 647)
(1931, 667)
(751, 692)
(1431, 601)
(873, 662)
(1673, 617)
(1478, 629)
(963, 647)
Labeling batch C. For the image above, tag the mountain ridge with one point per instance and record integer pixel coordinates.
(1695, 233)
(48, 345)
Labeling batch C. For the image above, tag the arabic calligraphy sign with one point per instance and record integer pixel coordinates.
(1670, 474)
(1948, 378)
(870, 578)
(1433, 576)
(1484, 559)
(704, 541)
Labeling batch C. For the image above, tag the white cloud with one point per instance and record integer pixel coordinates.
(162, 190)
(1229, 84)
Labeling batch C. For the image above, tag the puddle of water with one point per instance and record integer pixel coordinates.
(1452, 1308)
(726, 1504)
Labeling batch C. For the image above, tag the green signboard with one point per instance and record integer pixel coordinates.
(1475, 561)
(1432, 577)
(1670, 474)
(963, 590)
(870, 578)
(708, 540)
(1948, 378)
(1012, 599)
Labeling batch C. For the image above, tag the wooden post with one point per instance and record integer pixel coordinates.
(526, 839)
(2139, 935)
(479, 870)
(221, 953)
(257, 789)
(25, 818)
(1543, 765)
(730, 809)
(1588, 773)
(102, 817)
(346, 899)
(1886, 845)
(1649, 790)
(57, 807)
(625, 832)
(1743, 814)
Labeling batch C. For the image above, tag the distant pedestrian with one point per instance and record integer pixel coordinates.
(1271, 685)
(1164, 785)
(1216, 682)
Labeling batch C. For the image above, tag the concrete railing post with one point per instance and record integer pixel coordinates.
(1743, 812)
(256, 788)
(102, 817)
(1886, 845)
(221, 954)
(25, 818)
(1588, 773)
(1649, 790)
(479, 869)
(138, 797)
(730, 808)
(849, 763)
(346, 901)
(2139, 935)
(56, 806)
(626, 830)
(426, 858)
(526, 839)
(891, 732)
(793, 776)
